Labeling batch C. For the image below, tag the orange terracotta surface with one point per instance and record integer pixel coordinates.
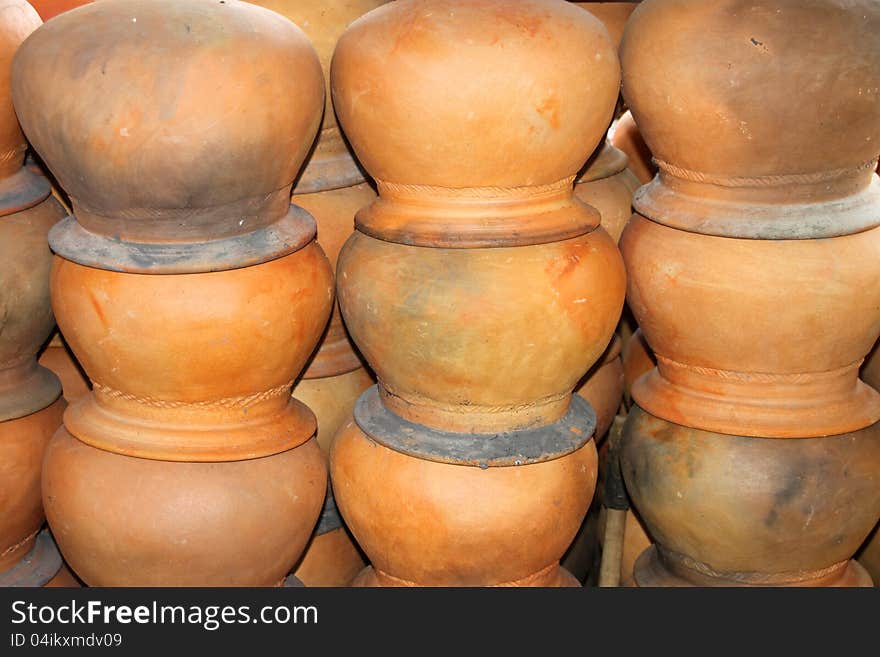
(492, 526)
(331, 559)
(724, 127)
(191, 352)
(465, 190)
(58, 358)
(51, 8)
(768, 511)
(612, 14)
(332, 399)
(626, 137)
(554, 306)
(608, 185)
(63, 580)
(239, 523)
(17, 20)
(779, 294)
(22, 443)
(149, 171)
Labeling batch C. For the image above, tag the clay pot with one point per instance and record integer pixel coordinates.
(752, 511)
(58, 358)
(779, 294)
(608, 185)
(238, 523)
(188, 287)
(219, 348)
(464, 243)
(751, 264)
(429, 375)
(603, 387)
(488, 527)
(637, 360)
(184, 212)
(63, 580)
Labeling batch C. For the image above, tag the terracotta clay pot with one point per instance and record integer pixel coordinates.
(238, 523)
(752, 263)
(753, 511)
(188, 287)
(22, 444)
(462, 244)
(58, 358)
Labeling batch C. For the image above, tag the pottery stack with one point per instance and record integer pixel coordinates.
(477, 286)
(30, 408)
(752, 452)
(188, 287)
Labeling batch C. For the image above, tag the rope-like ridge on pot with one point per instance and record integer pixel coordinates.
(13, 548)
(524, 192)
(528, 580)
(763, 181)
(758, 377)
(752, 577)
(470, 409)
(225, 402)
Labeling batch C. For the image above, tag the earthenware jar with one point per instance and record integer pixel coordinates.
(752, 265)
(30, 408)
(187, 286)
(465, 466)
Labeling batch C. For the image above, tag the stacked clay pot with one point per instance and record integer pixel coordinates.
(752, 451)
(332, 188)
(188, 287)
(477, 286)
(30, 408)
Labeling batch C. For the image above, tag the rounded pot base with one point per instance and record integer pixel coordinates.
(652, 571)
